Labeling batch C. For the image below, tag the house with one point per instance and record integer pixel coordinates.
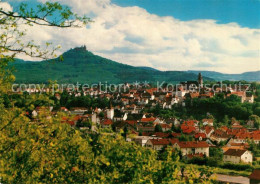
(219, 135)
(110, 113)
(64, 109)
(189, 127)
(208, 122)
(237, 155)
(240, 94)
(120, 116)
(190, 156)
(34, 114)
(106, 123)
(149, 120)
(242, 137)
(236, 125)
(159, 144)
(200, 136)
(208, 130)
(173, 121)
(142, 140)
(192, 147)
(95, 119)
(146, 128)
(249, 98)
(78, 110)
(165, 127)
(255, 177)
(233, 145)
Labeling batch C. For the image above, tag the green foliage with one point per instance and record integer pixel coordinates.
(185, 137)
(256, 120)
(216, 153)
(176, 129)
(240, 167)
(86, 124)
(254, 148)
(158, 128)
(198, 161)
(221, 108)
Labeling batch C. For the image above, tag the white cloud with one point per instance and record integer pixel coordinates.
(5, 6)
(133, 36)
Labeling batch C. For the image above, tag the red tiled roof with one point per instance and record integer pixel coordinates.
(202, 135)
(207, 95)
(190, 122)
(208, 129)
(188, 126)
(236, 131)
(64, 118)
(164, 125)
(193, 144)
(146, 133)
(76, 118)
(108, 122)
(255, 135)
(160, 141)
(225, 128)
(208, 120)
(131, 122)
(148, 119)
(72, 123)
(176, 134)
(221, 134)
(190, 156)
(187, 129)
(163, 141)
(235, 152)
(238, 93)
(194, 95)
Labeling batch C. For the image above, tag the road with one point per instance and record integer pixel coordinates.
(232, 179)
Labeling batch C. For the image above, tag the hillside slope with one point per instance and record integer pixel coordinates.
(80, 65)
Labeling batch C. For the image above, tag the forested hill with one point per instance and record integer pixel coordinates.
(80, 65)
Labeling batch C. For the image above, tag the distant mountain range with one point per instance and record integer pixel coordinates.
(247, 76)
(80, 65)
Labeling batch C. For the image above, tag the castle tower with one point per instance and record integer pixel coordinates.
(200, 80)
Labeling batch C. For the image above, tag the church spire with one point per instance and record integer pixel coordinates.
(200, 80)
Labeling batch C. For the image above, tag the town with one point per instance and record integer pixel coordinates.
(139, 114)
(137, 92)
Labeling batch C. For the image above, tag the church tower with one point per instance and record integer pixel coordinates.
(200, 80)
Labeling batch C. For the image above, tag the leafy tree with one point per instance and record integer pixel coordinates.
(101, 114)
(185, 137)
(257, 111)
(216, 153)
(256, 120)
(226, 120)
(158, 128)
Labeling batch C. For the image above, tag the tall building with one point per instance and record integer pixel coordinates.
(110, 113)
(200, 80)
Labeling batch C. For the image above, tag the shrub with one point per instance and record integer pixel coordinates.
(239, 167)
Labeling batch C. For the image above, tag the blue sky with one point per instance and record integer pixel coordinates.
(215, 35)
(244, 12)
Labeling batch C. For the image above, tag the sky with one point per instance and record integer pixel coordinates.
(215, 35)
